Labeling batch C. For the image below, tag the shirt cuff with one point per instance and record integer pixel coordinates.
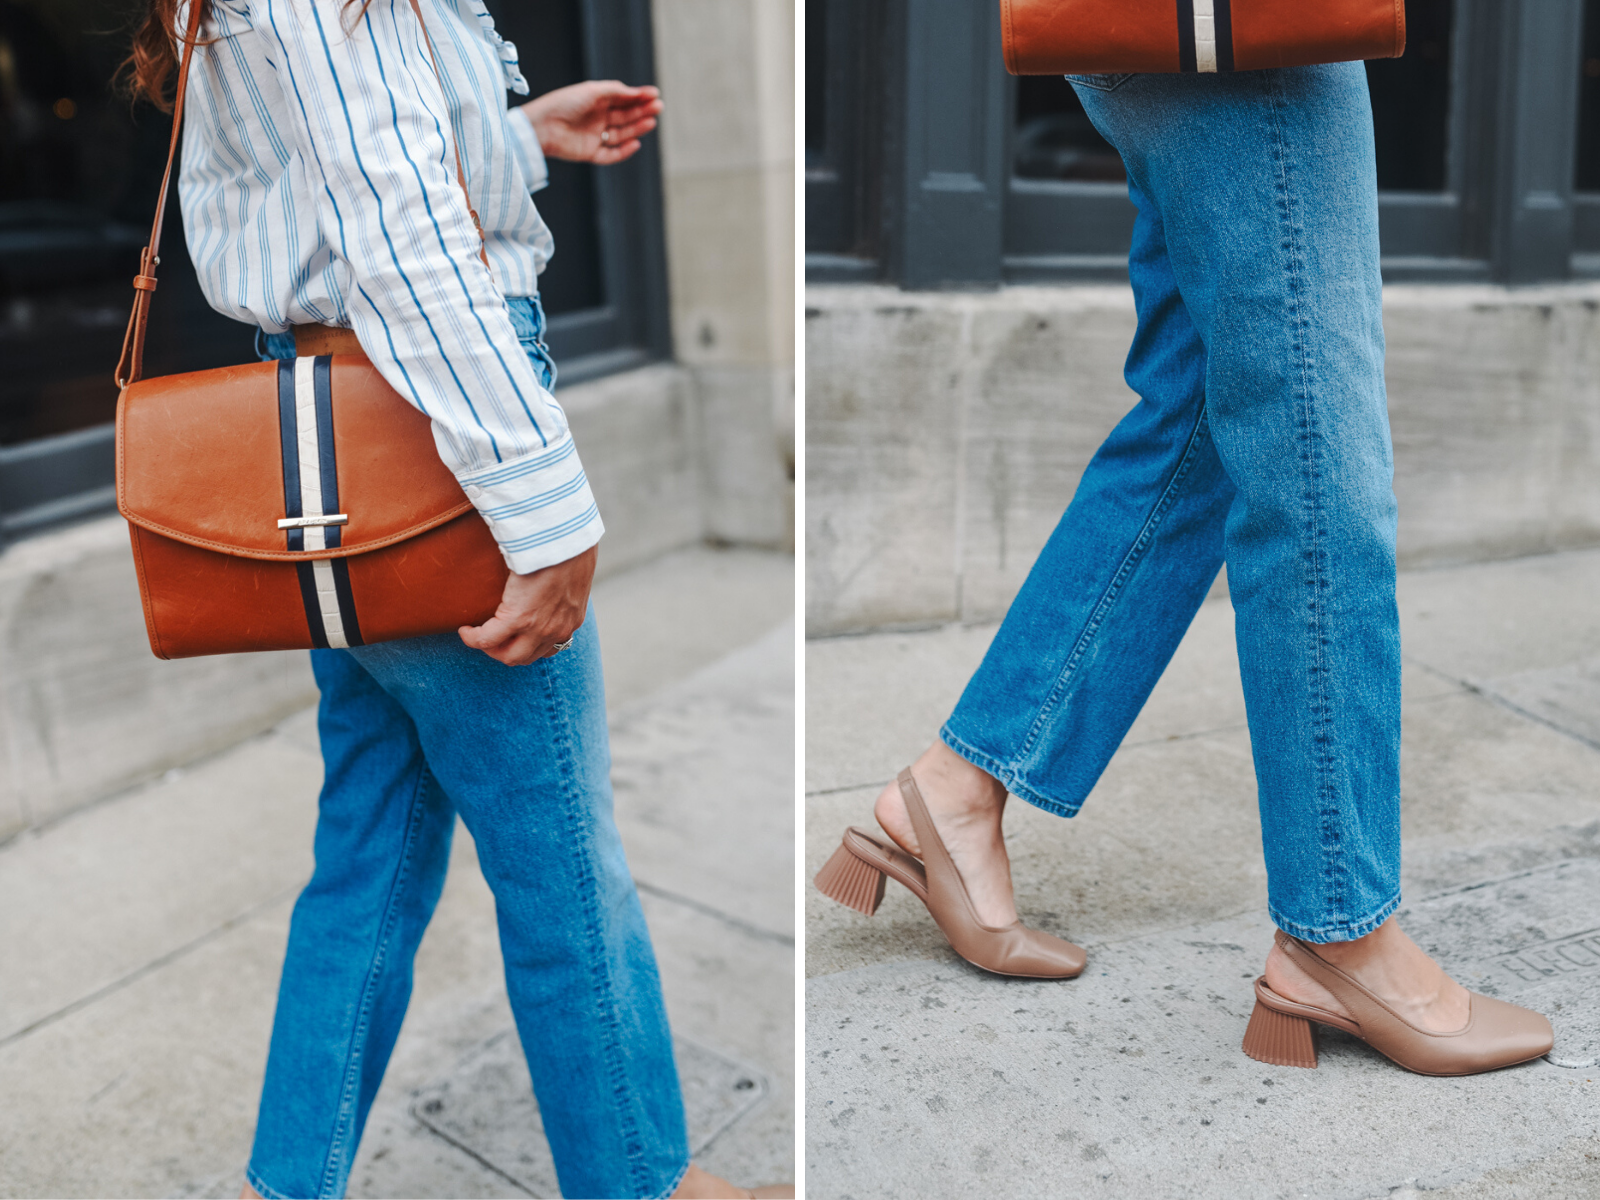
(539, 508)
(530, 154)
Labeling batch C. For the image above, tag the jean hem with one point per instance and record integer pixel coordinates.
(263, 1189)
(1344, 931)
(1008, 775)
(676, 1180)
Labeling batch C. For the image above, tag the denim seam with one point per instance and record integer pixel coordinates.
(1113, 591)
(1333, 871)
(676, 1180)
(263, 1189)
(358, 1036)
(1348, 931)
(582, 843)
(1007, 775)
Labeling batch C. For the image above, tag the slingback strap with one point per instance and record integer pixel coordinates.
(130, 366)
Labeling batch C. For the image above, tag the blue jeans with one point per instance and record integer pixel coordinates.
(1261, 438)
(414, 733)
(527, 320)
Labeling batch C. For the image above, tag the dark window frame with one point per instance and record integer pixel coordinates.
(1586, 204)
(1508, 212)
(52, 480)
(843, 174)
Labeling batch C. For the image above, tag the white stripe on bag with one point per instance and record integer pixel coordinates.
(1205, 36)
(305, 425)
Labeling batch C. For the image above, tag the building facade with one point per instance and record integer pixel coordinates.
(968, 312)
(670, 300)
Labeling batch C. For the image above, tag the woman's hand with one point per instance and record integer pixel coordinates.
(600, 121)
(537, 612)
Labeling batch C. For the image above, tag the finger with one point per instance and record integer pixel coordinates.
(626, 133)
(614, 91)
(632, 109)
(491, 634)
(520, 653)
(607, 155)
(528, 648)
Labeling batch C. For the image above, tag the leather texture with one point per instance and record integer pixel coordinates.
(201, 481)
(199, 460)
(854, 877)
(1496, 1034)
(1081, 37)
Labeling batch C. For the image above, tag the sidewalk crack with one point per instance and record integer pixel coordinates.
(149, 968)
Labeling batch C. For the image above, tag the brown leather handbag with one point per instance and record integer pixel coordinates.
(289, 505)
(1082, 37)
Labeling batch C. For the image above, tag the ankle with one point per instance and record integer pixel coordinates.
(953, 786)
(1385, 946)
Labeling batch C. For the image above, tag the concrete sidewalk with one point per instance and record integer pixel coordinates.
(140, 938)
(926, 1077)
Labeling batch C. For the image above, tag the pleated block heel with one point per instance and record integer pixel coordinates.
(851, 882)
(1280, 1039)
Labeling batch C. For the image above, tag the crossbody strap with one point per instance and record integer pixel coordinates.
(130, 366)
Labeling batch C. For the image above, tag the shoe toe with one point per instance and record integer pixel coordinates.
(1509, 1032)
(1046, 955)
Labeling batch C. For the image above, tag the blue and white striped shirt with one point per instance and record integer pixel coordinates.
(318, 186)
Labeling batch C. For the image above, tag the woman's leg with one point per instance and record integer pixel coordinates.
(1102, 610)
(1266, 183)
(382, 847)
(523, 754)
(1265, 187)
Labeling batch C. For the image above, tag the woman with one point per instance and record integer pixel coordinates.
(1261, 439)
(319, 189)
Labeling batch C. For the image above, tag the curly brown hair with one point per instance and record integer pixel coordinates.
(148, 71)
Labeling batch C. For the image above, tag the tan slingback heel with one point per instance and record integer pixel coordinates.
(855, 876)
(1496, 1034)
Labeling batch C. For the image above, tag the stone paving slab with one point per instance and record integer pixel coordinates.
(151, 927)
(486, 1107)
(935, 1079)
(926, 1076)
(681, 788)
(92, 900)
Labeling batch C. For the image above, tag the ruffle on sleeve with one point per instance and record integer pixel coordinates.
(507, 51)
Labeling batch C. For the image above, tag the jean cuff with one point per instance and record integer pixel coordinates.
(676, 1180)
(1009, 776)
(263, 1189)
(1344, 931)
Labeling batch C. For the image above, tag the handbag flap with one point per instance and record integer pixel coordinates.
(201, 457)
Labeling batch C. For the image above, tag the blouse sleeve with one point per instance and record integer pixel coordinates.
(530, 154)
(369, 120)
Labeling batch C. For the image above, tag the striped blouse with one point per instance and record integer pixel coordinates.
(318, 186)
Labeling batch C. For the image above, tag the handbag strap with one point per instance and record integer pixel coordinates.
(130, 366)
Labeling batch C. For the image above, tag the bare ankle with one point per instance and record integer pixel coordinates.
(950, 783)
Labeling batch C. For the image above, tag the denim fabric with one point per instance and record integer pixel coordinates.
(1261, 437)
(414, 733)
(527, 321)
